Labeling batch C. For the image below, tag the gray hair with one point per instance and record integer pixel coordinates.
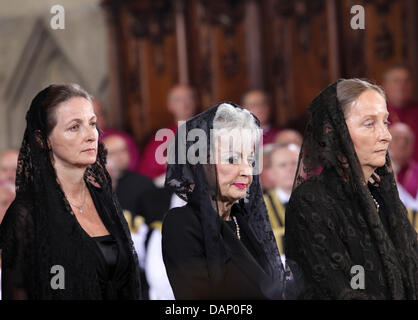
(348, 90)
(228, 118)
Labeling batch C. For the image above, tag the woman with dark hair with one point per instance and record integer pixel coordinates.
(220, 245)
(345, 226)
(64, 236)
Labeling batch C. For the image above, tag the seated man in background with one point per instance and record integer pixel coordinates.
(399, 88)
(7, 195)
(8, 165)
(283, 161)
(182, 104)
(266, 180)
(128, 185)
(155, 271)
(406, 169)
(105, 131)
(258, 103)
(131, 189)
(401, 150)
(153, 208)
(287, 136)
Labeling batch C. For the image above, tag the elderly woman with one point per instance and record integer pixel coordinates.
(64, 236)
(345, 225)
(220, 245)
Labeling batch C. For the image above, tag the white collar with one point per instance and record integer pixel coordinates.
(407, 199)
(282, 195)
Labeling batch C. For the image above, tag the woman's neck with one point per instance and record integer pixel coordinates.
(70, 179)
(225, 209)
(367, 173)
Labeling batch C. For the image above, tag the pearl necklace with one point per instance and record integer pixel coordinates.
(376, 203)
(236, 224)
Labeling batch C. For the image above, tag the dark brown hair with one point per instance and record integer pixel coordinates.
(57, 94)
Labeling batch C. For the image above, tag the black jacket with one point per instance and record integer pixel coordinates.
(186, 264)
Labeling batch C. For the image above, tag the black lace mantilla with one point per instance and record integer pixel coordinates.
(39, 230)
(197, 184)
(332, 223)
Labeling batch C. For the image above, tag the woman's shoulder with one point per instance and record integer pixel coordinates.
(317, 198)
(17, 216)
(181, 225)
(325, 186)
(22, 205)
(309, 189)
(179, 216)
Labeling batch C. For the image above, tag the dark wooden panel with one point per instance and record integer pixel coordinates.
(292, 49)
(386, 39)
(148, 63)
(218, 50)
(297, 54)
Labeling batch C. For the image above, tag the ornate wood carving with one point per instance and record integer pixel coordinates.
(153, 20)
(383, 43)
(306, 44)
(382, 6)
(227, 15)
(383, 40)
(302, 11)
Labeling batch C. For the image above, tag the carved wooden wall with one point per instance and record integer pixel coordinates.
(290, 48)
(144, 51)
(217, 52)
(299, 54)
(390, 36)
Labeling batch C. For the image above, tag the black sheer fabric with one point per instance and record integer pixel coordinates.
(40, 231)
(197, 184)
(332, 223)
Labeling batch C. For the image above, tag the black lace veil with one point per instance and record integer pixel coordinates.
(327, 144)
(197, 184)
(41, 219)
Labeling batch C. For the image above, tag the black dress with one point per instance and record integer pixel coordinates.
(346, 245)
(101, 267)
(110, 256)
(203, 257)
(326, 238)
(186, 263)
(40, 234)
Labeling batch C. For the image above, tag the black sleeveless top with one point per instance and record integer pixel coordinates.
(113, 259)
(112, 266)
(109, 250)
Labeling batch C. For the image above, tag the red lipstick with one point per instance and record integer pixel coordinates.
(240, 185)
